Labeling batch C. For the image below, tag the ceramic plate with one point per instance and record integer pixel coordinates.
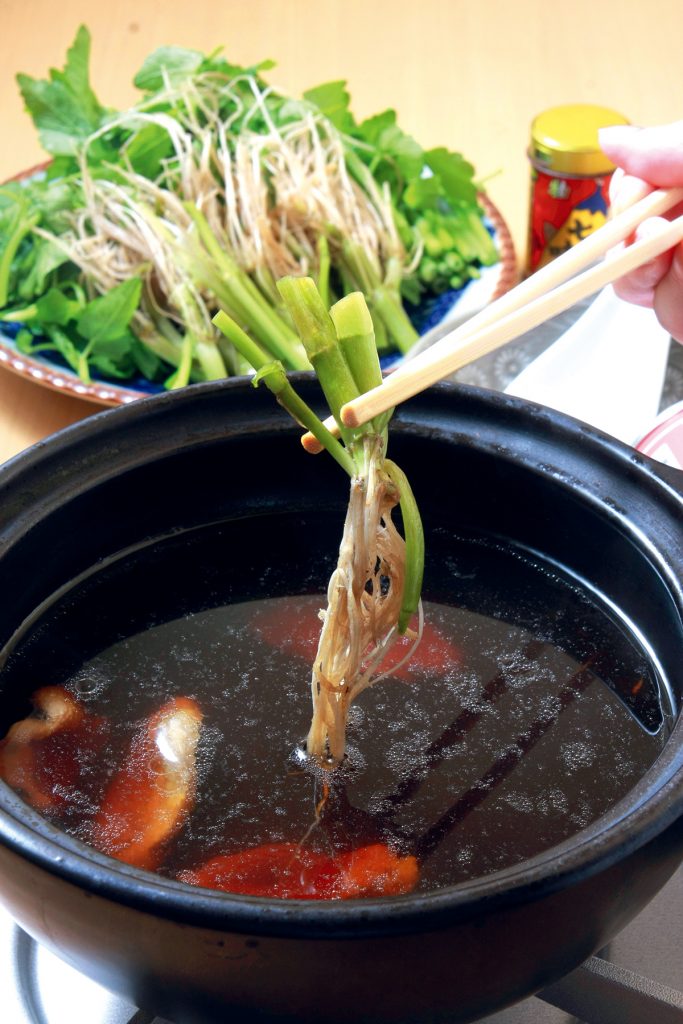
(48, 370)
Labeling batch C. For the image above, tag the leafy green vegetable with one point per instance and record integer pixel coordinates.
(168, 63)
(55, 307)
(107, 318)
(147, 150)
(396, 157)
(16, 223)
(89, 335)
(64, 108)
(149, 220)
(454, 174)
(332, 100)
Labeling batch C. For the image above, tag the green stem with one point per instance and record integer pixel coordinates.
(257, 316)
(267, 286)
(324, 270)
(245, 299)
(83, 367)
(210, 360)
(241, 366)
(275, 378)
(246, 347)
(381, 336)
(158, 340)
(395, 318)
(381, 297)
(181, 376)
(415, 545)
(203, 345)
(20, 316)
(319, 338)
(353, 324)
(23, 228)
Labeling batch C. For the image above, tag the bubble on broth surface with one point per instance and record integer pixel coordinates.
(88, 686)
(578, 754)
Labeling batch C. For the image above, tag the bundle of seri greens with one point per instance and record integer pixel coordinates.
(200, 197)
(374, 591)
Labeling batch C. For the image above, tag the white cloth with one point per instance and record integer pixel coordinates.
(606, 370)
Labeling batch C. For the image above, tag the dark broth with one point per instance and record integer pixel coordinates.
(527, 713)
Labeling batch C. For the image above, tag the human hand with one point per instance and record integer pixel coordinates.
(649, 158)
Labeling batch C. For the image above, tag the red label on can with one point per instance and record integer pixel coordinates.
(562, 212)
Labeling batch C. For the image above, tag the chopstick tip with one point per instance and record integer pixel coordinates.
(349, 416)
(311, 444)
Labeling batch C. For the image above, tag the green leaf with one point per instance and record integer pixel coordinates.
(24, 342)
(63, 344)
(39, 258)
(214, 62)
(113, 358)
(263, 65)
(371, 129)
(13, 206)
(55, 308)
(107, 317)
(64, 108)
(61, 167)
(147, 149)
(174, 62)
(105, 149)
(455, 173)
(147, 362)
(403, 157)
(424, 194)
(56, 114)
(333, 99)
(16, 223)
(289, 110)
(76, 75)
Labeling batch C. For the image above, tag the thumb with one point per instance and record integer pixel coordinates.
(653, 154)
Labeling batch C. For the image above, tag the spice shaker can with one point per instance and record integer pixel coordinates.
(569, 178)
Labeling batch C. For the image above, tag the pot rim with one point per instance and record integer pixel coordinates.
(651, 806)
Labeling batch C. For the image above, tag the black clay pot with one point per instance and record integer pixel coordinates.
(611, 520)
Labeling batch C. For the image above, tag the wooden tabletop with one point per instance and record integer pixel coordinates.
(467, 75)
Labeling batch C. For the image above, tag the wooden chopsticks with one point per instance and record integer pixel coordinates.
(546, 293)
(493, 326)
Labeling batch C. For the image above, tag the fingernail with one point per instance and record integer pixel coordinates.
(616, 133)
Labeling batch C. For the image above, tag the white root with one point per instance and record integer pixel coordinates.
(363, 603)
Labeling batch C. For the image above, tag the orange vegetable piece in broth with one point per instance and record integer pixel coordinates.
(289, 871)
(150, 796)
(39, 757)
(296, 630)
(376, 870)
(280, 870)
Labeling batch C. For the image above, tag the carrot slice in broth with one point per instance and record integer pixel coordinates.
(296, 628)
(150, 796)
(289, 871)
(42, 755)
(376, 870)
(281, 870)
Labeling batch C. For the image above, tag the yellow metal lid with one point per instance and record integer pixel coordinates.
(565, 139)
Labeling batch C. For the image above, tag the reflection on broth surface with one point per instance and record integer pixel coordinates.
(526, 712)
